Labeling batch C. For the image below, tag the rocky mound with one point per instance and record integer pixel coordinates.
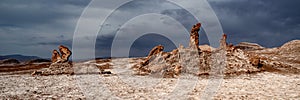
(206, 48)
(9, 61)
(56, 69)
(249, 46)
(291, 48)
(284, 59)
(60, 63)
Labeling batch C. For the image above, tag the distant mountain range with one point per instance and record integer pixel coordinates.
(19, 57)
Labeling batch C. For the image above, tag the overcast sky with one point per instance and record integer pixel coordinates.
(36, 27)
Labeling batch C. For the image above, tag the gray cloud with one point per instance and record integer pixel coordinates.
(35, 27)
(267, 22)
(42, 24)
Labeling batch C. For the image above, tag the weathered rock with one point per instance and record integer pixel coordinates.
(284, 59)
(155, 50)
(55, 57)
(168, 74)
(65, 53)
(249, 46)
(177, 69)
(255, 61)
(223, 43)
(225, 60)
(56, 69)
(194, 36)
(206, 48)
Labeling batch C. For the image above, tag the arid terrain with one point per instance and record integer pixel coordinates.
(241, 71)
(277, 78)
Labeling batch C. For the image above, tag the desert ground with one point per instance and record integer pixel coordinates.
(88, 83)
(243, 71)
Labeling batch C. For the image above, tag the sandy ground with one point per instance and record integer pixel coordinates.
(123, 84)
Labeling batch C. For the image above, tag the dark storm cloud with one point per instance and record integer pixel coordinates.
(26, 26)
(267, 22)
(144, 44)
(181, 15)
(103, 46)
(139, 48)
(44, 24)
(67, 43)
(21, 13)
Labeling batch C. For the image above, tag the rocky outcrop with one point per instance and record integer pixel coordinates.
(164, 63)
(284, 59)
(155, 50)
(223, 43)
(203, 60)
(56, 58)
(65, 53)
(206, 48)
(194, 36)
(60, 63)
(249, 46)
(56, 69)
(61, 57)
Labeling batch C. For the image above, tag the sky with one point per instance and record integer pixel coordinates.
(36, 27)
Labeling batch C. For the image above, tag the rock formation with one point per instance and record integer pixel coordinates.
(56, 69)
(226, 60)
(194, 36)
(55, 57)
(249, 46)
(155, 50)
(171, 64)
(223, 43)
(65, 53)
(64, 57)
(60, 64)
(206, 48)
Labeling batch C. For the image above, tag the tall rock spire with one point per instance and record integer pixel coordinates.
(194, 36)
